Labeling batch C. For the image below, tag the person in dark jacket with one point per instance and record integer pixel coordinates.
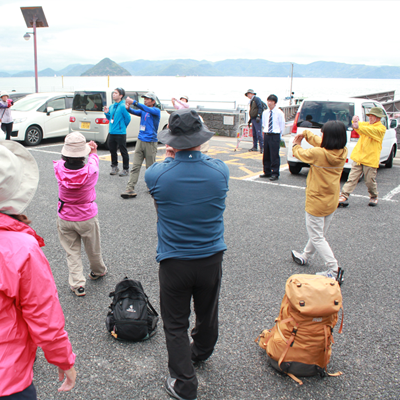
(189, 190)
(119, 119)
(146, 145)
(256, 111)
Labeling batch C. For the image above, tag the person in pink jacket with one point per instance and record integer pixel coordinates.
(183, 102)
(30, 312)
(77, 210)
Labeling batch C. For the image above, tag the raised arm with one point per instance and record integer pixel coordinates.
(374, 132)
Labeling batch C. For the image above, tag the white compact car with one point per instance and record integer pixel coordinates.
(40, 116)
(313, 113)
(88, 117)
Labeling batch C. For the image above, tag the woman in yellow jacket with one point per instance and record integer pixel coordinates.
(366, 156)
(326, 160)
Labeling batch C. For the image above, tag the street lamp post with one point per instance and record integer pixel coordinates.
(34, 17)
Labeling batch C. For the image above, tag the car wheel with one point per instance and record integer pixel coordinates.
(389, 161)
(295, 169)
(33, 135)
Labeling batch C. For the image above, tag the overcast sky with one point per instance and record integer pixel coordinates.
(86, 31)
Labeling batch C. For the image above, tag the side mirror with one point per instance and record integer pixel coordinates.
(393, 124)
(49, 110)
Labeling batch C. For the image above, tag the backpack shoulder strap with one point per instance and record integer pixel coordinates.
(150, 306)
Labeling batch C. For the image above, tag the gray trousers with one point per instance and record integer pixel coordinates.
(143, 151)
(70, 234)
(317, 227)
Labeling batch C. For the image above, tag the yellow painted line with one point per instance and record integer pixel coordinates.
(250, 175)
(244, 169)
(231, 145)
(233, 162)
(248, 155)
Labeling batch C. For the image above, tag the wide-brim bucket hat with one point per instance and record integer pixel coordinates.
(377, 111)
(75, 146)
(250, 91)
(4, 93)
(185, 130)
(19, 177)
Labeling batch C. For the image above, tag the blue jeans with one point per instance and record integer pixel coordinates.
(257, 134)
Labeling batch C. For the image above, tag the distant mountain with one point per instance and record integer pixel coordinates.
(106, 67)
(238, 67)
(75, 69)
(47, 72)
(23, 74)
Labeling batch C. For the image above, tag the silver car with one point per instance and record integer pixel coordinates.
(87, 115)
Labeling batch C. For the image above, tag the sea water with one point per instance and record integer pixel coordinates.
(215, 92)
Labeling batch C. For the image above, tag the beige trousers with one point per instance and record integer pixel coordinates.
(143, 151)
(354, 176)
(70, 234)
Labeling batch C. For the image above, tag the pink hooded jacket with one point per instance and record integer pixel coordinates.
(77, 189)
(30, 312)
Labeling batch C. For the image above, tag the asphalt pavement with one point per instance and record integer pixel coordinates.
(264, 221)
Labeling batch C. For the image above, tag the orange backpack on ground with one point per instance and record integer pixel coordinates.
(300, 343)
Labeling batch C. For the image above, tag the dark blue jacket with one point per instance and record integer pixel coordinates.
(189, 192)
(119, 118)
(149, 121)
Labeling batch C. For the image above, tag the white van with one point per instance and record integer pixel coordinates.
(87, 115)
(313, 113)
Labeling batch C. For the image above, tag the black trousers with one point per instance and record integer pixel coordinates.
(271, 159)
(27, 394)
(180, 280)
(115, 141)
(7, 129)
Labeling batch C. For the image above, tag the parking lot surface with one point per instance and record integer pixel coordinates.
(264, 221)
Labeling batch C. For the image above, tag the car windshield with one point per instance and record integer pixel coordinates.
(314, 114)
(29, 103)
(89, 101)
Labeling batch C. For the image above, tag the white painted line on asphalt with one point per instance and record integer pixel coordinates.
(388, 197)
(392, 193)
(49, 145)
(46, 151)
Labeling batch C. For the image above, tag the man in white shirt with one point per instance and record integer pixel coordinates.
(273, 124)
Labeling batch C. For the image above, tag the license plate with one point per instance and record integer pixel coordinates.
(85, 125)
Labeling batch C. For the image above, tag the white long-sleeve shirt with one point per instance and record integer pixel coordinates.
(278, 121)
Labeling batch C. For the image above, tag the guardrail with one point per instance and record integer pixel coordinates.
(203, 105)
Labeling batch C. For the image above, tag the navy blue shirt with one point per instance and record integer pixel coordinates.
(190, 193)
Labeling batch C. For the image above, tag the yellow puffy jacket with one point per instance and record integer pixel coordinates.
(368, 148)
(323, 180)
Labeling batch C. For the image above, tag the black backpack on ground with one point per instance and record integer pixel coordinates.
(132, 317)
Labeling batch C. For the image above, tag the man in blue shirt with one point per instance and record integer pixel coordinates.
(146, 145)
(189, 190)
(119, 120)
